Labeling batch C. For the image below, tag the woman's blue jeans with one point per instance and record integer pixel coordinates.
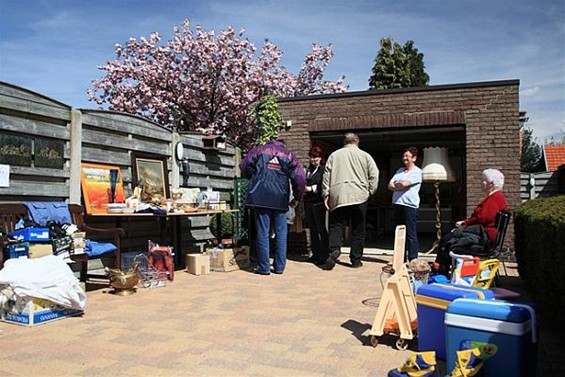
(404, 215)
(264, 219)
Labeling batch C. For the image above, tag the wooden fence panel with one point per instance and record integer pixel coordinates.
(538, 185)
(109, 138)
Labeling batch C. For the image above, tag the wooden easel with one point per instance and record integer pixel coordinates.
(397, 310)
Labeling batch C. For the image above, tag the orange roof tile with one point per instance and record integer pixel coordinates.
(554, 156)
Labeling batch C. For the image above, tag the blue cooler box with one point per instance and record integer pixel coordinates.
(505, 333)
(432, 301)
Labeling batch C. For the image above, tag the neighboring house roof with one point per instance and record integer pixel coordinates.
(554, 155)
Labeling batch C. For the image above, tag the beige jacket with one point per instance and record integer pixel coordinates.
(350, 177)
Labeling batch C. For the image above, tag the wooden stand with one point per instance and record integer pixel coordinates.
(396, 314)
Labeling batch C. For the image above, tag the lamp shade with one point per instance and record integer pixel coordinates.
(436, 165)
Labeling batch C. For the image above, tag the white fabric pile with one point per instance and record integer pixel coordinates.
(48, 278)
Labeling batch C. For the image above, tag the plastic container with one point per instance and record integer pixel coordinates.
(505, 332)
(432, 301)
(16, 250)
(30, 234)
(128, 259)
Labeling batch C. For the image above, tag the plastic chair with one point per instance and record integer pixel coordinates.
(470, 270)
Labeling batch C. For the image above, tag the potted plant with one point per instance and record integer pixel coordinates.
(227, 231)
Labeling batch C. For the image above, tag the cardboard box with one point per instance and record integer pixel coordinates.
(38, 250)
(30, 234)
(198, 264)
(33, 311)
(229, 259)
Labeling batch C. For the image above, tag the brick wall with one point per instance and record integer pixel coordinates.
(489, 112)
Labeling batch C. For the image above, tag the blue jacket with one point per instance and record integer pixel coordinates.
(270, 168)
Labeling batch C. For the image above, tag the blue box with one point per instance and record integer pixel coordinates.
(31, 311)
(432, 301)
(17, 250)
(30, 234)
(505, 332)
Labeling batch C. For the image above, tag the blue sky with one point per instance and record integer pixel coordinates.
(53, 47)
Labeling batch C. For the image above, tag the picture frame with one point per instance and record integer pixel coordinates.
(151, 174)
(101, 185)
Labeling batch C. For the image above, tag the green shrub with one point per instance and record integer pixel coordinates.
(540, 251)
(228, 225)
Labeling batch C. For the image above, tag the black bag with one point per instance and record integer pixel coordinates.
(471, 240)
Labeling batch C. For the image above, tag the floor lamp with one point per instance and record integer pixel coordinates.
(436, 169)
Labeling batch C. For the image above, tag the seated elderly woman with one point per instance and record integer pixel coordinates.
(480, 227)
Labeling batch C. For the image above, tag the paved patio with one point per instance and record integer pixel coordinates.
(307, 322)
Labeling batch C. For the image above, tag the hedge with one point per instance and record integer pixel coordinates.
(540, 251)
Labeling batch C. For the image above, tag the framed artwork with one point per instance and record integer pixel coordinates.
(151, 175)
(101, 184)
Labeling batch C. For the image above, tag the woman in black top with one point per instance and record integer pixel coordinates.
(314, 206)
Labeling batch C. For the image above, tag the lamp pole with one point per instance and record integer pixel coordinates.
(438, 219)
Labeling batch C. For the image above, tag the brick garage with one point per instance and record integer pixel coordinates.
(477, 122)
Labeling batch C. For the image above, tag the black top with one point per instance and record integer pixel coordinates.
(314, 176)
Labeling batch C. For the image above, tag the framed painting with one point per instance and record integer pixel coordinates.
(151, 175)
(101, 184)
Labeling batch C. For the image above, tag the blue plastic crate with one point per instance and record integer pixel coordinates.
(30, 234)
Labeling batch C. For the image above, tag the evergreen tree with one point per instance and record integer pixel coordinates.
(398, 66)
(531, 156)
(418, 76)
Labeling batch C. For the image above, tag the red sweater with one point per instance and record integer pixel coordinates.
(485, 213)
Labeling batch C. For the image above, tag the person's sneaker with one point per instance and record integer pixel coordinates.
(357, 264)
(259, 272)
(277, 272)
(334, 255)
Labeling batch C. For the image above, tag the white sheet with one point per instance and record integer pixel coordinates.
(48, 277)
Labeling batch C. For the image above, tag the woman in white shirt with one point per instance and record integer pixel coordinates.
(405, 185)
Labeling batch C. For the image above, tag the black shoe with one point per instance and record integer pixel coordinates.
(328, 265)
(334, 255)
(277, 272)
(319, 262)
(259, 272)
(312, 259)
(356, 264)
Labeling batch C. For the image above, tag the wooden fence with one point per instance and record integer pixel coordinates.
(539, 185)
(43, 143)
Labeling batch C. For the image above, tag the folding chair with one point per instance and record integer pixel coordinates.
(502, 221)
(493, 250)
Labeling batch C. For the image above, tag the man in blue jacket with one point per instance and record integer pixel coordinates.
(272, 170)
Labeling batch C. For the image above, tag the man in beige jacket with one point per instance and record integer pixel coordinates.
(351, 176)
